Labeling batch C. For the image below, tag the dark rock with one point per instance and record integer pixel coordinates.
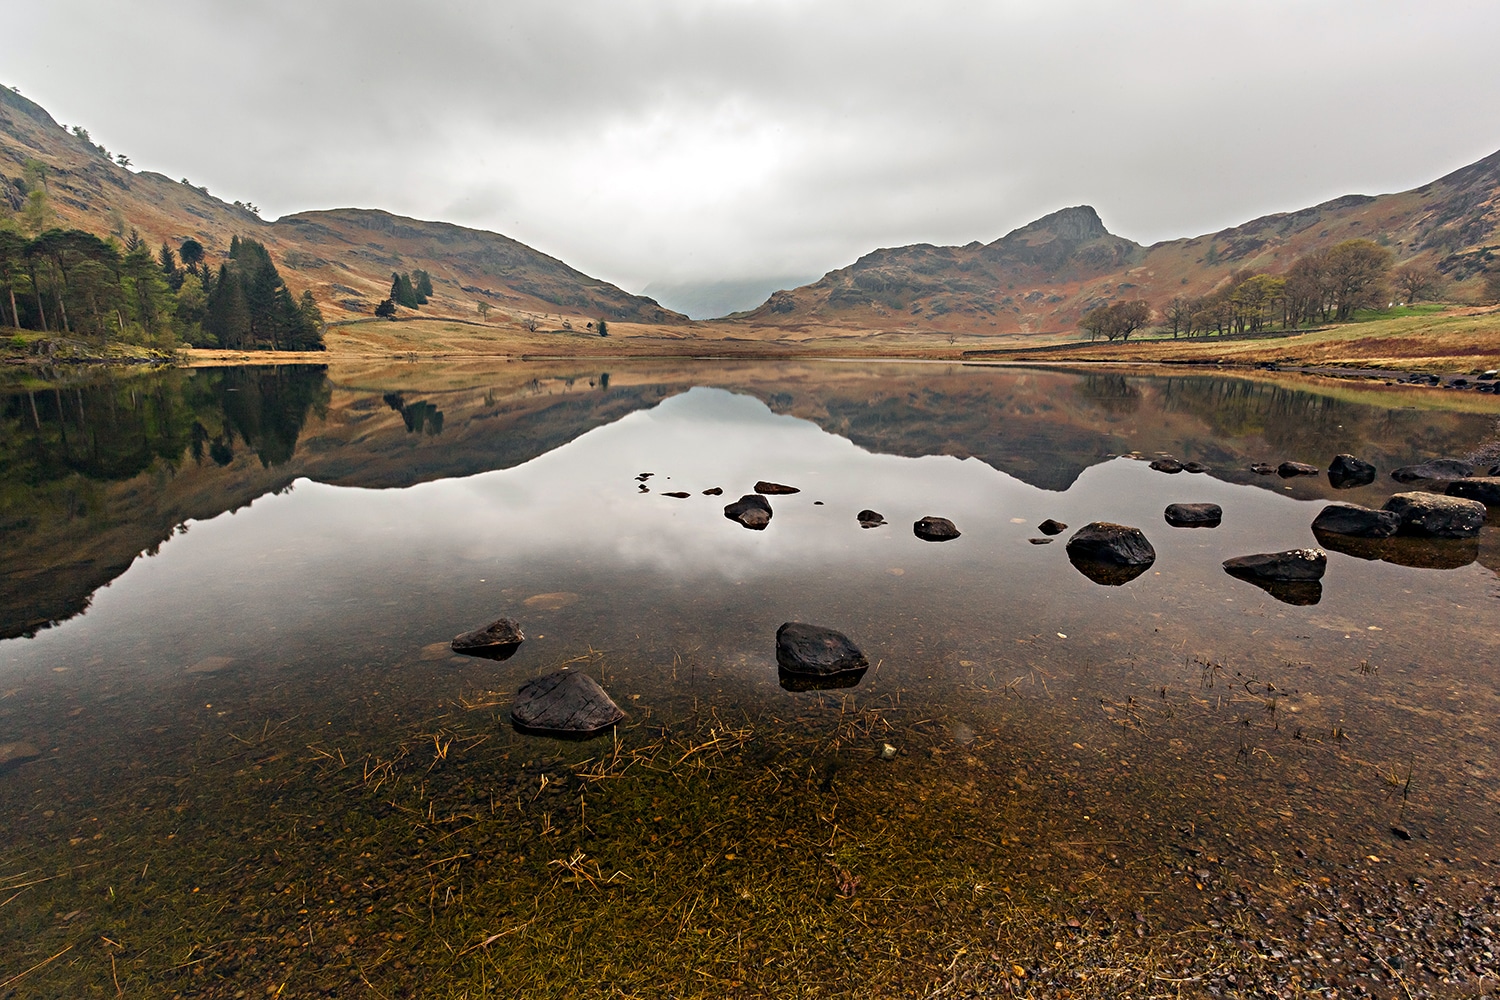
(1194, 515)
(716, 491)
(870, 519)
(1438, 470)
(1432, 515)
(1346, 471)
(1167, 464)
(751, 510)
(567, 702)
(814, 651)
(1263, 469)
(645, 476)
(935, 529)
(1286, 470)
(1302, 593)
(498, 640)
(1419, 553)
(1040, 541)
(1291, 566)
(1051, 527)
(817, 503)
(1485, 489)
(1360, 522)
(1197, 467)
(1110, 554)
(679, 494)
(774, 489)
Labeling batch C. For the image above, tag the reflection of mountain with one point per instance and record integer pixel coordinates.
(95, 475)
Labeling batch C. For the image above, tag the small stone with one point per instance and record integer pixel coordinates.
(887, 752)
(1359, 522)
(817, 651)
(1051, 527)
(775, 489)
(1438, 470)
(1432, 515)
(679, 494)
(645, 476)
(498, 640)
(1196, 467)
(1167, 464)
(1286, 470)
(564, 702)
(751, 510)
(935, 529)
(1040, 541)
(716, 491)
(870, 519)
(1263, 469)
(1194, 515)
(1293, 565)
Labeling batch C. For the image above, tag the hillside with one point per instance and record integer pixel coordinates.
(1043, 277)
(345, 256)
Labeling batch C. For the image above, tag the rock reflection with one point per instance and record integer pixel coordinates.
(1418, 553)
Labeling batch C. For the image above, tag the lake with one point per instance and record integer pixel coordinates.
(241, 759)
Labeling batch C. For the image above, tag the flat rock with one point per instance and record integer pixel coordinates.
(935, 529)
(565, 702)
(870, 518)
(1051, 527)
(1432, 515)
(1291, 566)
(679, 494)
(1485, 489)
(775, 489)
(1040, 541)
(553, 601)
(812, 650)
(1438, 470)
(1286, 470)
(752, 510)
(1194, 467)
(498, 640)
(1263, 469)
(1359, 522)
(1194, 515)
(1167, 464)
(1346, 471)
(19, 752)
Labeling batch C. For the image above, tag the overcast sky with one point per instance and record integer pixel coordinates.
(739, 139)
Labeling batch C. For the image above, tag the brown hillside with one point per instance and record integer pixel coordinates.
(346, 256)
(1043, 277)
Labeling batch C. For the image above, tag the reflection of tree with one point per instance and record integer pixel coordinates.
(1112, 393)
(419, 417)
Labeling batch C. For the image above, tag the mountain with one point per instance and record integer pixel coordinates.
(346, 256)
(1043, 277)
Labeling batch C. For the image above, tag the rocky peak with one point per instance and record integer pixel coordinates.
(1078, 224)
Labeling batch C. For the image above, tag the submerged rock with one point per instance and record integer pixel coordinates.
(1051, 527)
(1354, 520)
(815, 651)
(1286, 470)
(1485, 489)
(775, 489)
(1167, 464)
(566, 702)
(1110, 554)
(1432, 515)
(935, 529)
(498, 640)
(1194, 515)
(14, 754)
(751, 510)
(1346, 471)
(1263, 469)
(870, 519)
(1439, 470)
(1291, 566)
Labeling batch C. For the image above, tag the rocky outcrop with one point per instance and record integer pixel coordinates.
(1194, 515)
(566, 703)
(1432, 515)
(935, 529)
(1359, 522)
(498, 640)
(751, 510)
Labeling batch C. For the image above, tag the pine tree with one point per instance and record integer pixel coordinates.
(422, 281)
(167, 259)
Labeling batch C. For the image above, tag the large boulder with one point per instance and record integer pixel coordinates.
(775, 489)
(751, 510)
(1346, 471)
(1437, 470)
(1194, 515)
(1110, 554)
(1432, 515)
(1286, 470)
(1291, 566)
(566, 702)
(815, 651)
(1485, 489)
(935, 529)
(498, 640)
(1360, 522)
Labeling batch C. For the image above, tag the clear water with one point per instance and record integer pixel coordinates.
(258, 767)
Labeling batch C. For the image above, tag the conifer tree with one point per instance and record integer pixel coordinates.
(422, 282)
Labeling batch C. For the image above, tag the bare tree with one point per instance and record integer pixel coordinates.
(1418, 281)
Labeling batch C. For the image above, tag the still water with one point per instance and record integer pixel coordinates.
(245, 763)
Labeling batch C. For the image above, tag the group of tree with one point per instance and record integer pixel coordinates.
(1116, 320)
(72, 283)
(409, 290)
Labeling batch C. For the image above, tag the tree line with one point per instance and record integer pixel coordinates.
(71, 282)
(1322, 286)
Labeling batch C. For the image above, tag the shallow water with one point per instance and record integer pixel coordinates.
(259, 767)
